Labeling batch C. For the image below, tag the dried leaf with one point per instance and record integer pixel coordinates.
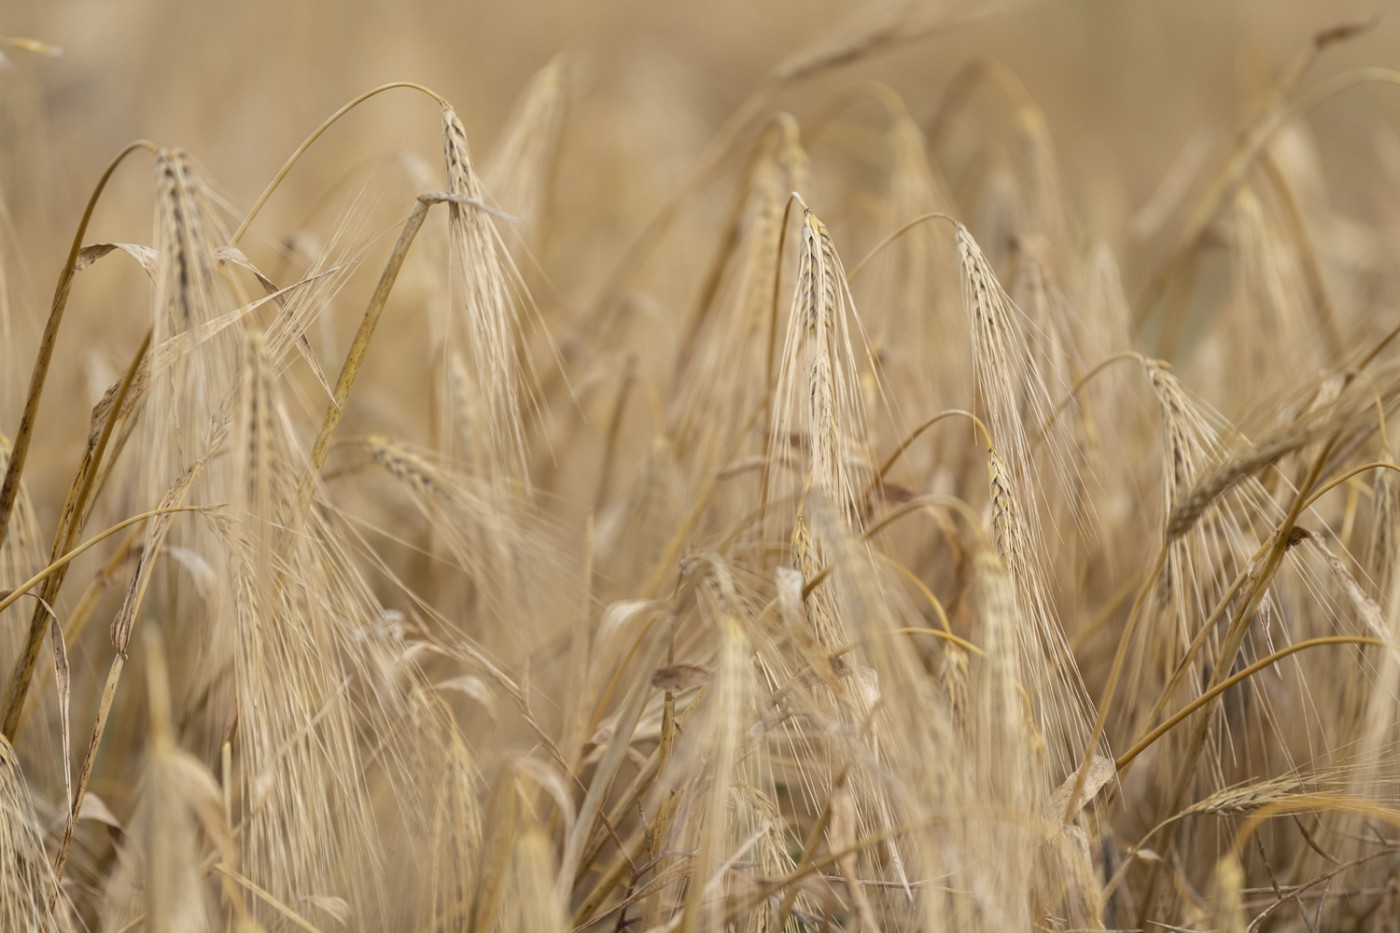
(680, 677)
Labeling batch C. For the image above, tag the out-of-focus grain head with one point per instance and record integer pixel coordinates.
(29, 894)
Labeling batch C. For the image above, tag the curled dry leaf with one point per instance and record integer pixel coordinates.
(678, 677)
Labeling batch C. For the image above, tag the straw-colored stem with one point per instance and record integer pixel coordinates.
(24, 671)
(71, 524)
(914, 435)
(895, 235)
(316, 134)
(19, 450)
(359, 346)
(1146, 742)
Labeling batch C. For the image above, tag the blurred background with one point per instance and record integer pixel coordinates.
(1124, 84)
(1136, 96)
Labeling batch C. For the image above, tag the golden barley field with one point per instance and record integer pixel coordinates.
(898, 465)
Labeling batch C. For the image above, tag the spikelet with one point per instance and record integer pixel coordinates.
(1269, 298)
(997, 699)
(800, 674)
(457, 828)
(184, 244)
(909, 298)
(1011, 384)
(723, 782)
(1367, 721)
(818, 405)
(1248, 797)
(792, 156)
(1367, 613)
(1106, 319)
(955, 683)
(255, 436)
(182, 402)
(759, 818)
(895, 737)
(20, 554)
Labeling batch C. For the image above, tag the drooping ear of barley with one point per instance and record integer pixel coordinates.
(492, 389)
(297, 631)
(1200, 567)
(1362, 710)
(495, 546)
(1337, 412)
(1011, 379)
(890, 767)
(818, 405)
(818, 412)
(485, 322)
(20, 554)
(181, 411)
(193, 367)
(1270, 295)
(1057, 694)
(880, 25)
(1246, 798)
(723, 375)
(519, 170)
(1198, 571)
